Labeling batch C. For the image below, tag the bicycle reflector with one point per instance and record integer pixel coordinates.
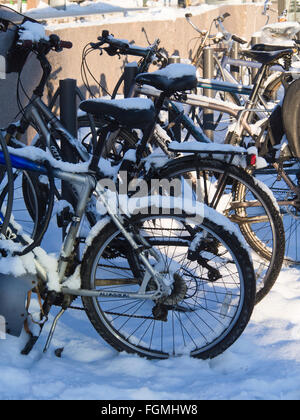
(251, 160)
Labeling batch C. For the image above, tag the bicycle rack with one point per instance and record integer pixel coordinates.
(130, 71)
(68, 118)
(208, 73)
(254, 40)
(235, 70)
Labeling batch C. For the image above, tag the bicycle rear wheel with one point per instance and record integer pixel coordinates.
(236, 194)
(213, 288)
(289, 203)
(117, 143)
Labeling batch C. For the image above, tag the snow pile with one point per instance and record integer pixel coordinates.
(263, 364)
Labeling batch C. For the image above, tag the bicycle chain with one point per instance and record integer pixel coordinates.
(116, 313)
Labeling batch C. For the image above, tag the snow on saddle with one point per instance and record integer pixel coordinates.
(131, 112)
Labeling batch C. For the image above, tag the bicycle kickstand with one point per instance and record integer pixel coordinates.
(51, 333)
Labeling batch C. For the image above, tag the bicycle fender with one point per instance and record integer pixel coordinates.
(13, 294)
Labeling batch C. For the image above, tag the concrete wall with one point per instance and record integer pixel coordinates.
(175, 37)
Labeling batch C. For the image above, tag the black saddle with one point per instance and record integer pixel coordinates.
(269, 48)
(130, 112)
(267, 57)
(173, 78)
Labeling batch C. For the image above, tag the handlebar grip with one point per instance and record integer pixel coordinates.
(225, 15)
(239, 40)
(105, 33)
(66, 44)
(188, 15)
(26, 43)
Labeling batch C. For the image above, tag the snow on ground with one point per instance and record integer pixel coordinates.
(263, 364)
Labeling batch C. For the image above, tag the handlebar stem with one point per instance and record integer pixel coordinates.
(46, 67)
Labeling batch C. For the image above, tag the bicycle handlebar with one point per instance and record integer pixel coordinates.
(119, 46)
(221, 18)
(218, 20)
(188, 18)
(53, 42)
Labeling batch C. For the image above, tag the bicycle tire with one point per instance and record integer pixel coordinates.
(32, 196)
(274, 260)
(6, 169)
(105, 319)
(266, 241)
(271, 88)
(117, 143)
(290, 213)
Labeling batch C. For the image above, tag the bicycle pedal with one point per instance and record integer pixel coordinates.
(29, 345)
(58, 352)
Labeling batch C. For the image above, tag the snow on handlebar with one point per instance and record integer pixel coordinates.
(58, 44)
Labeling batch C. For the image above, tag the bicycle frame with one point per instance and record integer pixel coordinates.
(87, 183)
(239, 113)
(196, 100)
(41, 116)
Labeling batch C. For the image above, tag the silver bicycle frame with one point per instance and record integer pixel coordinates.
(201, 101)
(85, 184)
(35, 110)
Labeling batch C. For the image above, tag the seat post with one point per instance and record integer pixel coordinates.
(99, 148)
(259, 78)
(149, 130)
(235, 136)
(159, 103)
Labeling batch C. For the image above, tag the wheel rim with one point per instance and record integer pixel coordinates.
(194, 324)
(23, 218)
(262, 235)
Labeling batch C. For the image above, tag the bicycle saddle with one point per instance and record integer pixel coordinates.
(173, 78)
(267, 57)
(131, 112)
(269, 48)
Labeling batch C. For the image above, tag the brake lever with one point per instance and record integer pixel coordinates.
(111, 51)
(96, 45)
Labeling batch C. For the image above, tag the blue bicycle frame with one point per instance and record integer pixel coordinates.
(19, 162)
(220, 85)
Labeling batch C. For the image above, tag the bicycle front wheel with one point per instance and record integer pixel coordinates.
(27, 203)
(213, 288)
